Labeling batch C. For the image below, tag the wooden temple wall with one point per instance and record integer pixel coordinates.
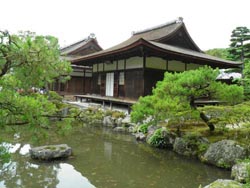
(80, 83)
(135, 76)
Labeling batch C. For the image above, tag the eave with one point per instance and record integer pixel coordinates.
(150, 48)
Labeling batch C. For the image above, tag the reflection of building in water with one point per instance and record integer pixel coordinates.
(108, 150)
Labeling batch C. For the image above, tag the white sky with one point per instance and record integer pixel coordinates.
(209, 22)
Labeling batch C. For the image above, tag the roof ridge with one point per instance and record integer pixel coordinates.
(91, 36)
(178, 20)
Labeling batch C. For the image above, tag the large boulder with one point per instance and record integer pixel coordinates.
(190, 146)
(241, 172)
(224, 153)
(51, 152)
(224, 184)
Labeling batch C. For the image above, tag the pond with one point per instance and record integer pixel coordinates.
(104, 159)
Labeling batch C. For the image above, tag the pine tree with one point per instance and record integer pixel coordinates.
(240, 44)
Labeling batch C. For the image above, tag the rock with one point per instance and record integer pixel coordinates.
(118, 122)
(241, 172)
(224, 153)
(120, 129)
(131, 129)
(108, 121)
(224, 184)
(140, 136)
(51, 152)
(126, 120)
(189, 146)
(169, 137)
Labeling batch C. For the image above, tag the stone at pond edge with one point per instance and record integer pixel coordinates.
(120, 129)
(224, 184)
(108, 121)
(224, 153)
(140, 136)
(240, 172)
(189, 146)
(51, 152)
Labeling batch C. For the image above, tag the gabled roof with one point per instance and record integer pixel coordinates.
(173, 32)
(82, 47)
(171, 38)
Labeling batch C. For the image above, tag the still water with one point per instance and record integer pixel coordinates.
(104, 159)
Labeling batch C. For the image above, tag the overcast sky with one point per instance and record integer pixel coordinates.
(209, 22)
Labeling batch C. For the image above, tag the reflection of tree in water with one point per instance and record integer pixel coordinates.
(26, 174)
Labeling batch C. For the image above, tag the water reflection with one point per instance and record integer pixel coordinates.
(108, 150)
(73, 178)
(106, 160)
(22, 172)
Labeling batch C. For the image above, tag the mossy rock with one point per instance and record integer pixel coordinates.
(224, 184)
(241, 171)
(224, 153)
(51, 152)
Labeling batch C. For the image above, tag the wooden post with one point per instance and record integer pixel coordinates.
(84, 78)
(144, 67)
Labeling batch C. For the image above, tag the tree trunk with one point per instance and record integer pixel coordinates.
(204, 117)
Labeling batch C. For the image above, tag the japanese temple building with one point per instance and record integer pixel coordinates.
(81, 77)
(132, 68)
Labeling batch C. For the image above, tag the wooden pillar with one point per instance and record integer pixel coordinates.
(144, 68)
(116, 81)
(125, 78)
(84, 79)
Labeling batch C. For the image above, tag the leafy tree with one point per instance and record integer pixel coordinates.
(240, 44)
(28, 62)
(218, 52)
(174, 98)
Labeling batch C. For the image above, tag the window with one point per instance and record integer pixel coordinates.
(121, 78)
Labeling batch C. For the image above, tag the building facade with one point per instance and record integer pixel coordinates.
(131, 69)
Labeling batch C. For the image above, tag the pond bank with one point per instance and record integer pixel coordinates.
(223, 154)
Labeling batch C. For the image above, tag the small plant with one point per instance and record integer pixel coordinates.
(117, 114)
(4, 155)
(157, 139)
(202, 148)
(143, 128)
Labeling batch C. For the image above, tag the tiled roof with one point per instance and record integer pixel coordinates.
(157, 38)
(78, 45)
